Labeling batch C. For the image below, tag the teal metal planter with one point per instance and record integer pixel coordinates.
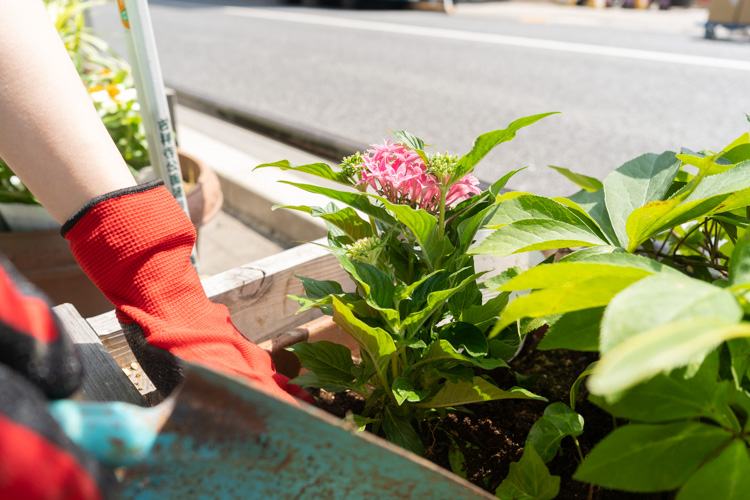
(219, 437)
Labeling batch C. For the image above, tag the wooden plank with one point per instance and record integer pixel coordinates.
(103, 379)
(255, 294)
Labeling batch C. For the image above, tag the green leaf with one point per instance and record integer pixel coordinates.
(442, 350)
(529, 479)
(360, 201)
(667, 398)
(374, 343)
(499, 184)
(586, 294)
(399, 431)
(329, 361)
(738, 154)
(576, 330)
(702, 196)
(408, 139)
(660, 349)
(521, 206)
(404, 390)
(347, 219)
(310, 379)
(435, 300)
(635, 184)
(479, 315)
(536, 234)
(660, 300)
(564, 274)
(558, 421)
(317, 169)
(593, 204)
(476, 391)
(617, 257)
(496, 282)
(379, 289)
(577, 384)
(645, 458)
(583, 181)
(487, 142)
(739, 263)
(467, 337)
(316, 289)
(726, 476)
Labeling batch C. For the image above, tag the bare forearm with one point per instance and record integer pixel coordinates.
(50, 133)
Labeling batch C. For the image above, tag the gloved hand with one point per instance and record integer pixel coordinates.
(37, 361)
(135, 245)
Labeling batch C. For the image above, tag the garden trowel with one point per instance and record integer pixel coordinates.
(218, 436)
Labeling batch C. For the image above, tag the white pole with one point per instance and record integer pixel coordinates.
(149, 84)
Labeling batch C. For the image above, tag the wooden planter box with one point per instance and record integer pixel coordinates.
(319, 456)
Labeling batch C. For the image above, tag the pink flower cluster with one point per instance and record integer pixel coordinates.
(400, 175)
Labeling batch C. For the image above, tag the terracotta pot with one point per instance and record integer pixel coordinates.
(322, 328)
(44, 256)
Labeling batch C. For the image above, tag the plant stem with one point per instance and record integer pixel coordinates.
(441, 221)
(578, 447)
(691, 231)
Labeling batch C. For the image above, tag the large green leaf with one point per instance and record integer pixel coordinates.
(375, 343)
(536, 234)
(329, 361)
(645, 458)
(346, 219)
(476, 391)
(399, 431)
(487, 141)
(586, 294)
(635, 184)
(583, 181)
(660, 349)
(317, 169)
(570, 273)
(529, 479)
(558, 422)
(671, 397)
(617, 257)
(702, 196)
(442, 350)
(662, 299)
(360, 201)
(520, 206)
(593, 204)
(576, 330)
(726, 477)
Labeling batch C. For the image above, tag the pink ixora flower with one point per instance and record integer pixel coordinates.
(400, 175)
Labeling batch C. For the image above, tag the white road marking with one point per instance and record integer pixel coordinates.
(468, 36)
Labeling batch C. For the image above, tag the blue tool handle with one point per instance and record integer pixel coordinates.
(118, 434)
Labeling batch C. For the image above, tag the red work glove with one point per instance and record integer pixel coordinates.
(37, 361)
(135, 246)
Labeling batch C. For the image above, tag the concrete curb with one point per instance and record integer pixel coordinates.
(318, 142)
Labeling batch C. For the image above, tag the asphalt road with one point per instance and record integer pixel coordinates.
(626, 82)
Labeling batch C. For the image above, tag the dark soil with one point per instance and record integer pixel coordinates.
(495, 432)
